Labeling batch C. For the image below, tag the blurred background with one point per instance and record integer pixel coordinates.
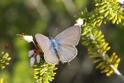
(50, 17)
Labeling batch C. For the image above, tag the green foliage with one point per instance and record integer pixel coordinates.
(110, 10)
(22, 72)
(1, 80)
(106, 10)
(4, 77)
(4, 60)
(44, 73)
(98, 50)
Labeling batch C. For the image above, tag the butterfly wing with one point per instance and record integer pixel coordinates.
(70, 36)
(68, 39)
(49, 53)
(67, 53)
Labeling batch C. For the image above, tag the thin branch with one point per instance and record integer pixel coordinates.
(117, 72)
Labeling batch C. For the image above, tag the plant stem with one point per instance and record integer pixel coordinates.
(117, 72)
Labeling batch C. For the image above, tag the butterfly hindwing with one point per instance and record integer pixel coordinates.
(67, 53)
(45, 44)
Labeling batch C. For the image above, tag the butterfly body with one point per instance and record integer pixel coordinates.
(55, 44)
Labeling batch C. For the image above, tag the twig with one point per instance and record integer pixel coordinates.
(117, 72)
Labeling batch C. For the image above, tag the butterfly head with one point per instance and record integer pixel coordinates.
(35, 52)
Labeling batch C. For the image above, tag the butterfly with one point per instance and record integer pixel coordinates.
(61, 48)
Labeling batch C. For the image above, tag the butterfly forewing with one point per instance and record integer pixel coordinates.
(45, 44)
(70, 36)
(67, 53)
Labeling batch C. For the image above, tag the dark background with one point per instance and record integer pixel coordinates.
(50, 17)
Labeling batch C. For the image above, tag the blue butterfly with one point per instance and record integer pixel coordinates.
(61, 47)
